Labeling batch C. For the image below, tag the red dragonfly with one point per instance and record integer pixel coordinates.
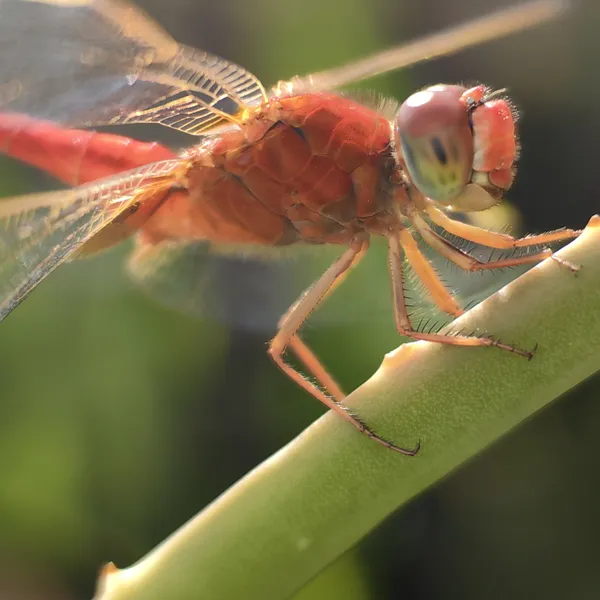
(299, 164)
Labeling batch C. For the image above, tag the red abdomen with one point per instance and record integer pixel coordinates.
(320, 170)
(73, 156)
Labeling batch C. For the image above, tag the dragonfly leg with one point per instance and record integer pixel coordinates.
(287, 338)
(308, 358)
(469, 263)
(492, 239)
(304, 354)
(405, 244)
(426, 273)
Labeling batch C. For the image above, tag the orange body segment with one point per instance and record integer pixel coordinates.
(318, 174)
(74, 156)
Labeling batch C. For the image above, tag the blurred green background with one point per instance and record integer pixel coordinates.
(120, 419)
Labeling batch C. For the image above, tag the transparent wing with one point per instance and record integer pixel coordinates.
(40, 231)
(103, 62)
(446, 42)
(198, 279)
(252, 292)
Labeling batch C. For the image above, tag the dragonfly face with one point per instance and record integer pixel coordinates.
(458, 145)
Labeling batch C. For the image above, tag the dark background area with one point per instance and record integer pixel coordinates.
(120, 419)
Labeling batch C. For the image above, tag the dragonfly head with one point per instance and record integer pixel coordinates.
(458, 145)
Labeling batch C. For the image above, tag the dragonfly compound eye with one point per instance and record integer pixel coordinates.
(434, 137)
(458, 145)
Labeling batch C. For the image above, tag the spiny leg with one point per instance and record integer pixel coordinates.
(302, 351)
(426, 273)
(492, 239)
(469, 263)
(397, 246)
(308, 358)
(287, 337)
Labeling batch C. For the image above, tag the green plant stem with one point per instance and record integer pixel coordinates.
(291, 516)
